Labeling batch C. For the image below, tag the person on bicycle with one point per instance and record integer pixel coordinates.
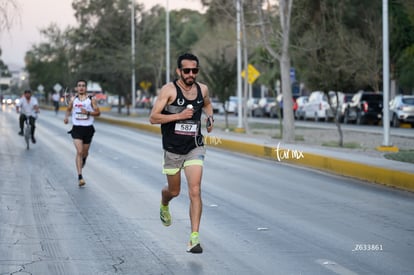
(28, 107)
(83, 109)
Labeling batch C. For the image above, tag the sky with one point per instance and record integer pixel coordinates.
(34, 15)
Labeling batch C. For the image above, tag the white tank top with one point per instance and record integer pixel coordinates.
(78, 118)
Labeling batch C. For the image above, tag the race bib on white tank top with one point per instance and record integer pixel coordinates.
(78, 118)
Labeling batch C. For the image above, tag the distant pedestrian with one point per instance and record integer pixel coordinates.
(83, 109)
(55, 99)
(178, 109)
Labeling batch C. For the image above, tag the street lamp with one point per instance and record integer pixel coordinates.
(239, 65)
(385, 73)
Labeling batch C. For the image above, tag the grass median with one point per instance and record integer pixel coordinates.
(403, 156)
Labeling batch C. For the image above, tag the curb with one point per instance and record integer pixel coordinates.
(374, 174)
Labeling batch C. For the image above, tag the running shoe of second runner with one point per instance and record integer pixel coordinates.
(194, 244)
(81, 182)
(165, 215)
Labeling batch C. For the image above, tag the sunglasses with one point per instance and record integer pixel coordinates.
(188, 70)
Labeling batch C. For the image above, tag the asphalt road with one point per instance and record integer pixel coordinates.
(260, 216)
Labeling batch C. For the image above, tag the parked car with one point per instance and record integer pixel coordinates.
(364, 107)
(217, 106)
(143, 102)
(344, 101)
(277, 107)
(317, 107)
(253, 107)
(338, 102)
(300, 102)
(231, 104)
(264, 107)
(402, 110)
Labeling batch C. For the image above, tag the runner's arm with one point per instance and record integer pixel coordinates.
(208, 109)
(156, 117)
(68, 111)
(96, 111)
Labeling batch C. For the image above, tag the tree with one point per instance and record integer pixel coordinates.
(405, 66)
(402, 43)
(186, 27)
(8, 8)
(48, 62)
(103, 43)
(277, 44)
(219, 75)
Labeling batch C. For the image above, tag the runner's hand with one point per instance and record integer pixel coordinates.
(187, 113)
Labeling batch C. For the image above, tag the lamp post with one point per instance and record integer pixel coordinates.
(239, 65)
(386, 74)
(167, 44)
(133, 53)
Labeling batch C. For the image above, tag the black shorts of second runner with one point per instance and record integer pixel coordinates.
(85, 133)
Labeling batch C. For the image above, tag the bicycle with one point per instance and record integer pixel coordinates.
(27, 132)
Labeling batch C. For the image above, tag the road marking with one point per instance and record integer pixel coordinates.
(335, 267)
(262, 228)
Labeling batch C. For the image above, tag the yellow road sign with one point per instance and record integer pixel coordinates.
(145, 85)
(253, 74)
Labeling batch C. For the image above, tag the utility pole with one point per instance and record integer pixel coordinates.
(239, 65)
(133, 54)
(386, 74)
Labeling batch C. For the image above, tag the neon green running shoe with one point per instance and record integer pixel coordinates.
(165, 215)
(194, 244)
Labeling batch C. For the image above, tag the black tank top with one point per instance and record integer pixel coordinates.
(180, 137)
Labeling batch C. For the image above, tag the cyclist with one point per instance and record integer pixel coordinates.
(28, 107)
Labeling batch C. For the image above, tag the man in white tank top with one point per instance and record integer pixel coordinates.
(83, 109)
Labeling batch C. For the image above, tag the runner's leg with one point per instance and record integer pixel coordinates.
(79, 154)
(193, 174)
(172, 189)
(85, 152)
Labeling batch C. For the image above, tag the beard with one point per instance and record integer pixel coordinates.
(189, 81)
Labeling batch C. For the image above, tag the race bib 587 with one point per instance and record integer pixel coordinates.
(185, 128)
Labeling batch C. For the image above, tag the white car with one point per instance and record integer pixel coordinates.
(300, 102)
(402, 110)
(231, 104)
(317, 107)
(217, 106)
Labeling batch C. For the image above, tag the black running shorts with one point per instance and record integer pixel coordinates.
(85, 133)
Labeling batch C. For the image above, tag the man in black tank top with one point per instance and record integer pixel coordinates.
(178, 109)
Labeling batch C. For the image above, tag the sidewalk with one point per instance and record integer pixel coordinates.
(345, 162)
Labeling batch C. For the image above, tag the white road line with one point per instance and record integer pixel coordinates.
(335, 267)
